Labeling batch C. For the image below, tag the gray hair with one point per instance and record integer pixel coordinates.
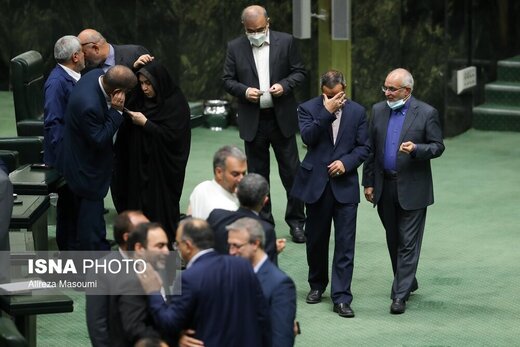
(65, 47)
(252, 190)
(252, 227)
(408, 80)
(332, 78)
(219, 159)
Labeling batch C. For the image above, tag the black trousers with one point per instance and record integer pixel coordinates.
(404, 233)
(66, 235)
(319, 221)
(286, 153)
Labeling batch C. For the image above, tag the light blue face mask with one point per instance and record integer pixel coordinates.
(257, 39)
(395, 105)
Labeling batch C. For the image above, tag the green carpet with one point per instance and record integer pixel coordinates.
(468, 274)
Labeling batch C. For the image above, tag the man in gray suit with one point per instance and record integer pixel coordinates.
(405, 134)
(261, 70)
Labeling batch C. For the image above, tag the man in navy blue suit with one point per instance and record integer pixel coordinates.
(70, 61)
(221, 299)
(94, 113)
(335, 132)
(246, 239)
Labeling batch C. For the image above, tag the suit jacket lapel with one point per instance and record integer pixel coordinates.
(248, 52)
(273, 53)
(345, 115)
(411, 114)
(385, 118)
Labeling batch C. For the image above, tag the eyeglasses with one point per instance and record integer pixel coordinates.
(87, 43)
(236, 245)
(390, 89)
(175, 245)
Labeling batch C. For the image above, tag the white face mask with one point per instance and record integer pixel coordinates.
(257, 39)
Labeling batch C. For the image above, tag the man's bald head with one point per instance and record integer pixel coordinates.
(401, 76)
(119, 77)
(90, 35)
(254, 12)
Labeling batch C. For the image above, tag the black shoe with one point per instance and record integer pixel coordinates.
(398, 306)
(298, 235)
(314, 296)
(343, 310)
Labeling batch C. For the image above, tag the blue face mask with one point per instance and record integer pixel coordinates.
(395, 105)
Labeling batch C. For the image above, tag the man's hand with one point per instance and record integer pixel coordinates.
(253, 94)
(336, 168)
(276, 90)
(137, 117)
(407, 147)
(280, 245)
(150, 280)
(335, 103)
(117, 99)
(369, 194)
(187, 341)
(143, 60)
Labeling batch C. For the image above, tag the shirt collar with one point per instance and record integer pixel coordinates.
(75, 75)
(260, 263)
(103, 89)
(111, 59)
(197, 256)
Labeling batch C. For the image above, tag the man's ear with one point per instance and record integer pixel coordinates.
(266, 200)
(218, 172)
(125, 237)
(139, 247)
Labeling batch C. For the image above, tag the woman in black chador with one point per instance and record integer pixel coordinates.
(152, 149)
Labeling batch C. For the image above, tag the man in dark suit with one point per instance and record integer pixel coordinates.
(93, 115)
(70, 62)
(221, 299)
(246, 239)
(405, 134)
(335, 132)
(262, 69)
(101, 54)
(129, 316)
(252, 193)
(98, 302)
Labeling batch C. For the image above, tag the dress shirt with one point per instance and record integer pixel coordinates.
(197, 256)
(261, 55)
(335, 125)
(393, 132)
(110, 60)
(260, 263)
(75, 75)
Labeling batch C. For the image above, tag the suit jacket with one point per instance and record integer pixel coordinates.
(221, 300)
(57, 90)
(87, 157)
(280, 292)
(414, 179)
(219, 219)
(351, 148)
(285, 67)
(117, 310)
(127, 54)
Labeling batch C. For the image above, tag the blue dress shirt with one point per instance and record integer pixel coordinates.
(393, 132)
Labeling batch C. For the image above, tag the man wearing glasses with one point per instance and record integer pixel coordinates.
(405, 134)
(101, 54)
(261, 70)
